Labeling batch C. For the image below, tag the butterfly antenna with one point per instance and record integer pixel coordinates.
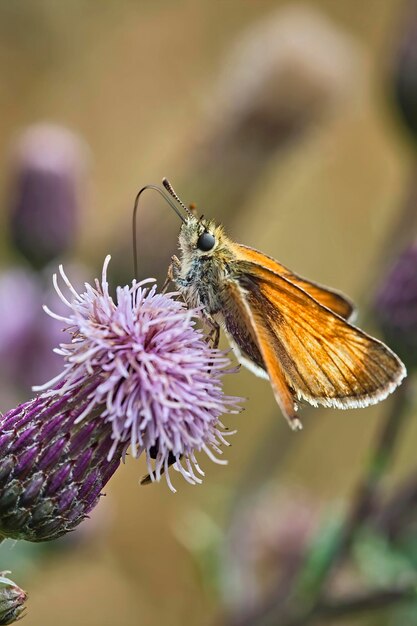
(171, 191)
(135, 210)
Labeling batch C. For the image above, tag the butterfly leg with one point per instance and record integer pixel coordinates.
(171, 273)
(214, 333)
(153, 453)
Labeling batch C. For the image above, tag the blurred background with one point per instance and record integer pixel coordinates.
(294, 125)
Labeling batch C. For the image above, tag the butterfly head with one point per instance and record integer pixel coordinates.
(200, 237)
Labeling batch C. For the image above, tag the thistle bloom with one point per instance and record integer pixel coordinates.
(150, 373)
(155, 379)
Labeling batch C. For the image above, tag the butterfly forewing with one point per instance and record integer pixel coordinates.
(325, 359)
(329, 298)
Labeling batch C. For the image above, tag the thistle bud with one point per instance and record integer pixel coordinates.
(52, 467)
(12, 600)
(48, 165)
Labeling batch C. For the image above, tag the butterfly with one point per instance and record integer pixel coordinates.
(296, 333)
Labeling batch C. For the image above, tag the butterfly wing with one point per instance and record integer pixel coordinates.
(330, 298)
(308, 351)
(249, 342)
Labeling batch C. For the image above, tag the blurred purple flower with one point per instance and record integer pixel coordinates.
(12, 600)
(150, 373)
(48, 167)
(19, 306)
(27, 336)
(266, 544)
(396, 306)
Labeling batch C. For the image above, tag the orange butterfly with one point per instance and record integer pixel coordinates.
(285, 328)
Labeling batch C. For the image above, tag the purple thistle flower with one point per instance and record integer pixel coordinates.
(396, 306)
(151, 374)
(137, 373)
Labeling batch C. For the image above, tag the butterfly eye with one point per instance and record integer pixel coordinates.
(206, 242)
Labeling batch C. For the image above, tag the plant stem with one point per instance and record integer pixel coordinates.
(391, 518)
(355, 603)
